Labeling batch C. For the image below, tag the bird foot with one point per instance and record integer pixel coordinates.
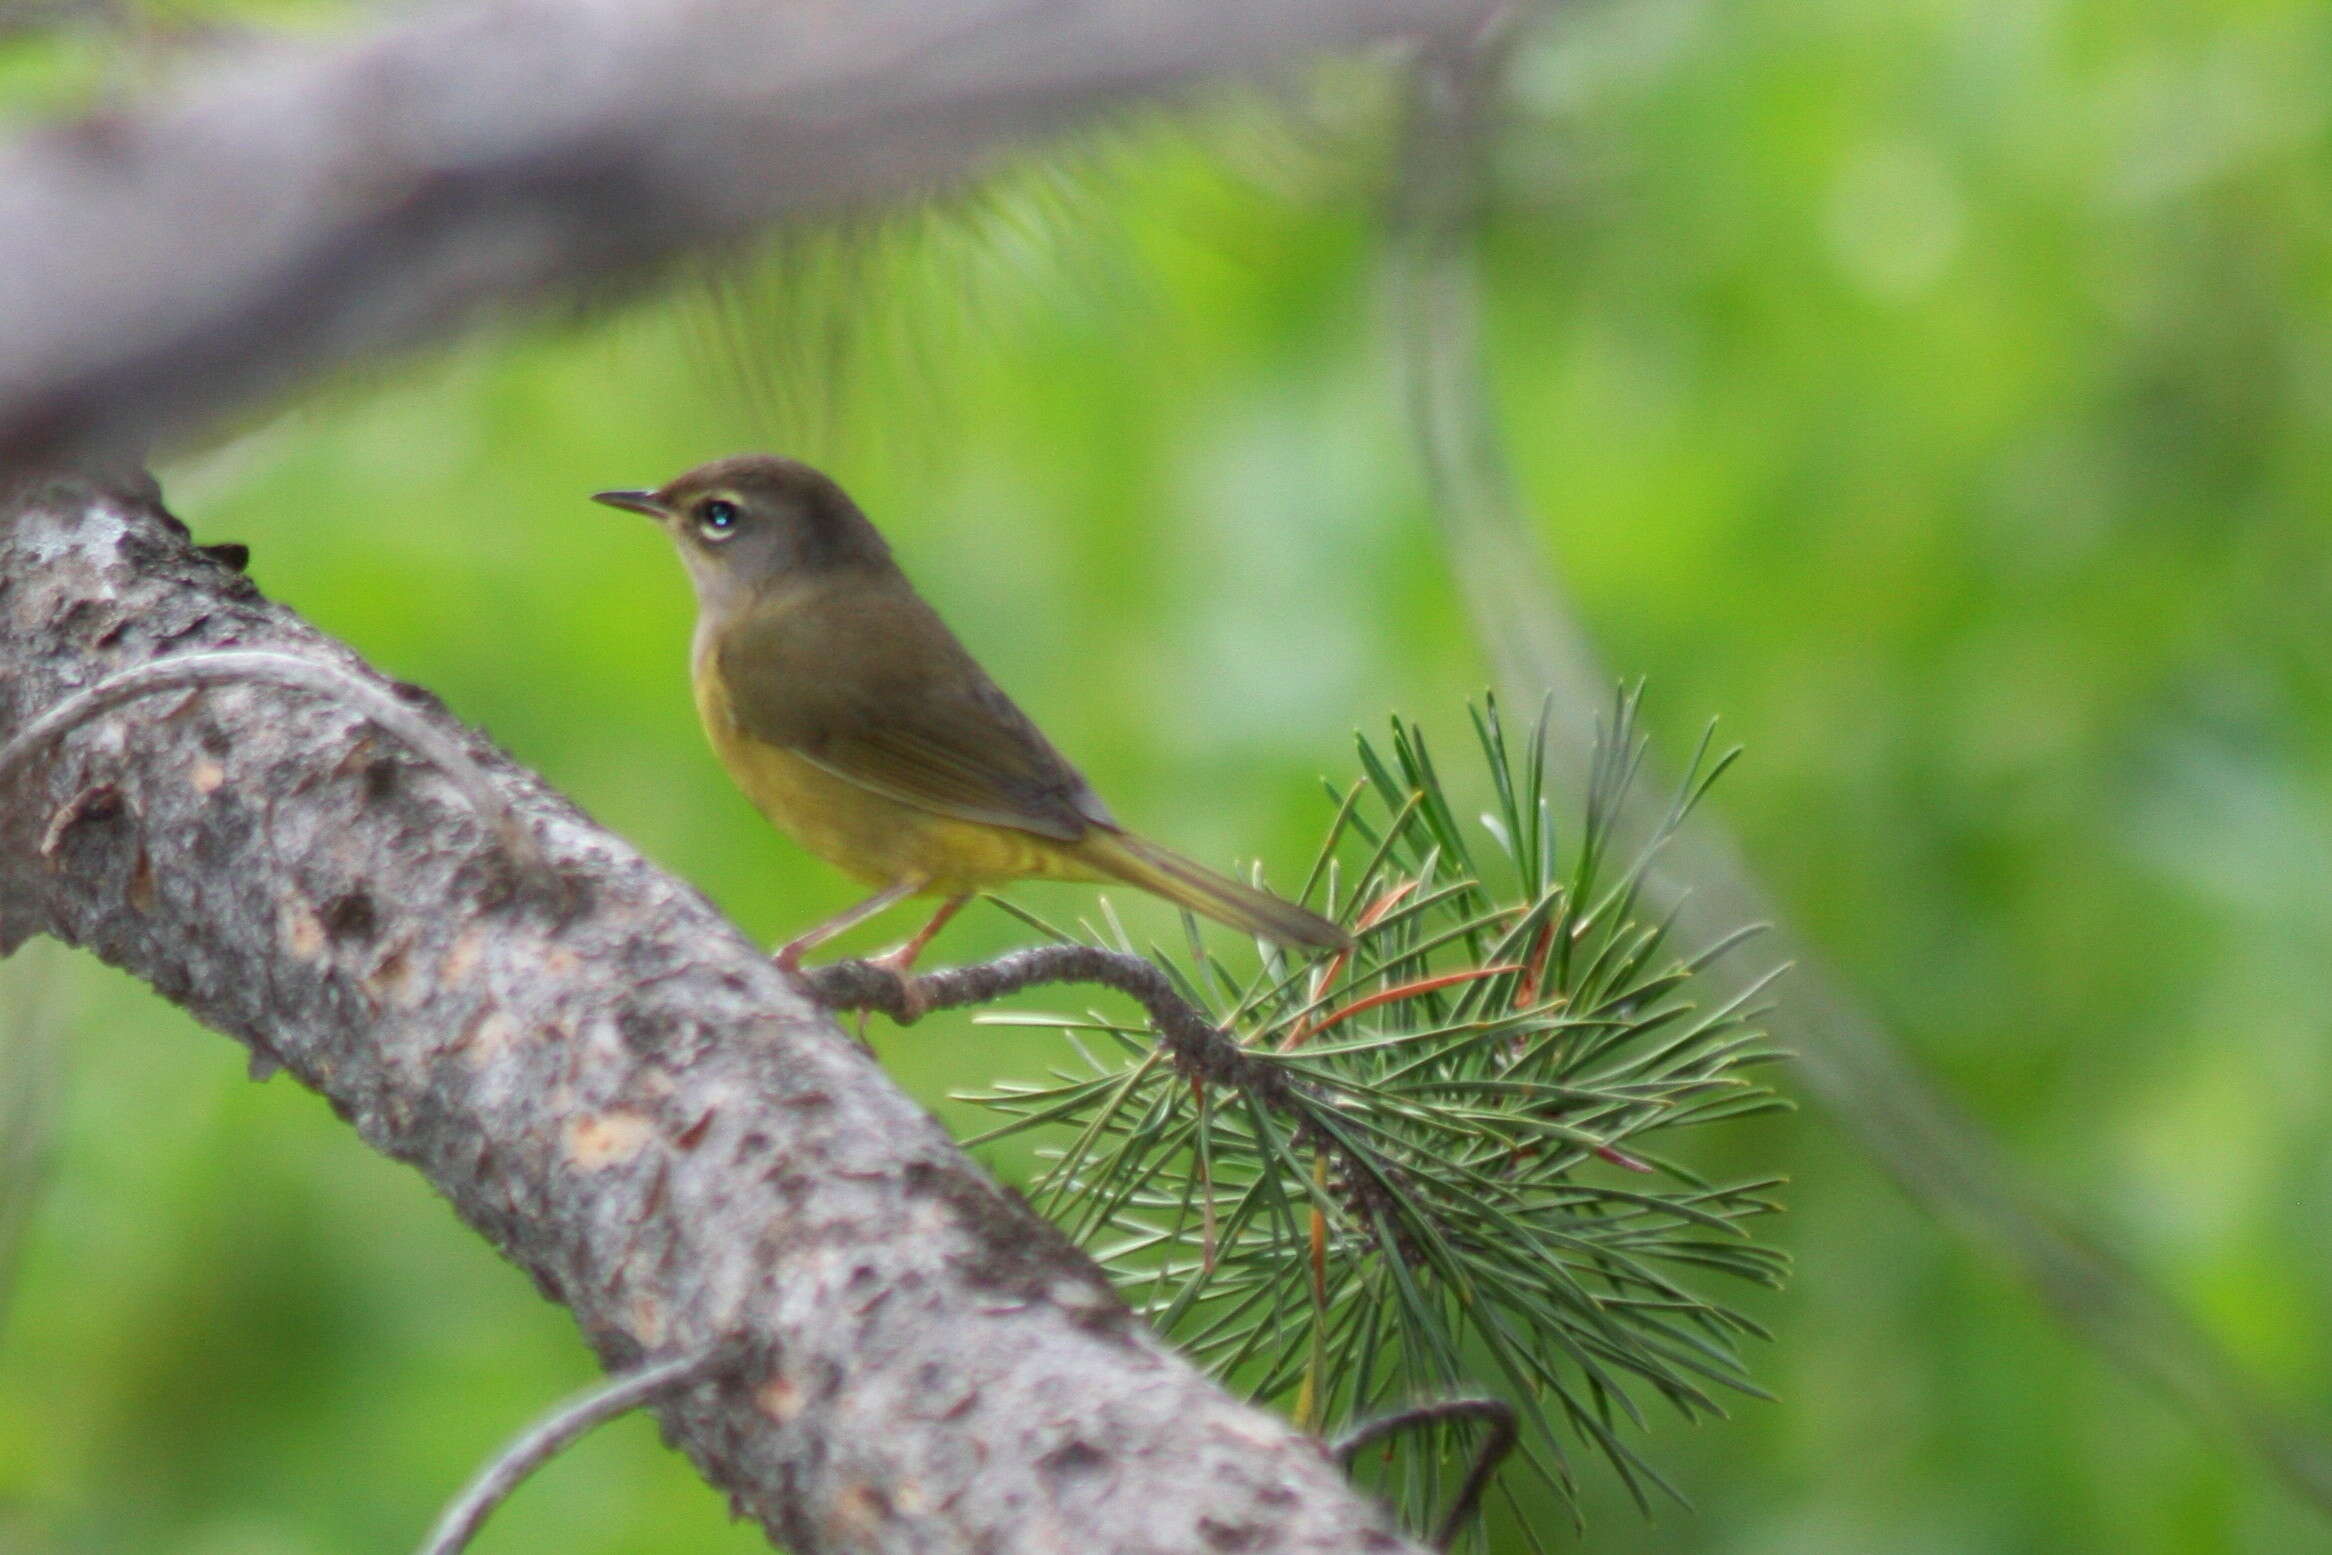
(897, 960)
(914, 1002)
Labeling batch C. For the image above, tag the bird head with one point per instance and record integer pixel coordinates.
(744, 523)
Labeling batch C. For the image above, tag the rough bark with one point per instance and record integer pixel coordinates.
(296, 207)
(608, 1081)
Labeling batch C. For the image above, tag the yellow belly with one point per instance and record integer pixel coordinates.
(872, 837)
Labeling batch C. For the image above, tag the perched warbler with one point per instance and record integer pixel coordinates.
(857, 723)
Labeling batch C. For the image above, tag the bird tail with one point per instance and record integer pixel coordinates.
(1168, 874)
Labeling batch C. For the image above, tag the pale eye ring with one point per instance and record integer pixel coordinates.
(717, 519)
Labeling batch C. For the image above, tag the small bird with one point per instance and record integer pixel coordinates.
(857, 723)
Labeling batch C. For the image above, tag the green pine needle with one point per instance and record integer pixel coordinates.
(1457, 1191)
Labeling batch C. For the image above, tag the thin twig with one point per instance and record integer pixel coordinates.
(1495, 1413)
(1200, 1047)
(1202, 1050)
(555, 1432)
(243, 666)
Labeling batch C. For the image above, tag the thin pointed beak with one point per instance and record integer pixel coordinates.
(636, 501)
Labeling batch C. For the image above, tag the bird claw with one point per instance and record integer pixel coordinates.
(914, 1002)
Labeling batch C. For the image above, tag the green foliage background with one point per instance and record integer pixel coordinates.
(1940, 393)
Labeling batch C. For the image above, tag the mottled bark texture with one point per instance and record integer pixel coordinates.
(608, 1081)
(336, 200)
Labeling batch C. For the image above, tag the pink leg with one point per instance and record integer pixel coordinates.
(904, 957)
(789, 955)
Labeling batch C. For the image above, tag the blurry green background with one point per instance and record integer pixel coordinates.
(1940, 393)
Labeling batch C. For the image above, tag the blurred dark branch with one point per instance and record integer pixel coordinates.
(291, 209)
(606, 1080)
(1520, 612)
(18, 17)
(1535, 650)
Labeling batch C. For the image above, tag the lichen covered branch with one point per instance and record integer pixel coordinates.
(609, 1082)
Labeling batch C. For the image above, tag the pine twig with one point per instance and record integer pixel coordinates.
(1203, 1051)
(1506, 1019)
(1496, 1414)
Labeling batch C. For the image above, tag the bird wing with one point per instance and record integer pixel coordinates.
(868, 683)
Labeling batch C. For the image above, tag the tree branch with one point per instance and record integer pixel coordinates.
(609, 1082)
(1200, 1048)
(341, 201)
(1202, 1051)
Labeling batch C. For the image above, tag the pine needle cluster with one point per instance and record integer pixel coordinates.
(1437, 1165)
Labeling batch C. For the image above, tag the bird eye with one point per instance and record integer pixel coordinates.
(717, 519)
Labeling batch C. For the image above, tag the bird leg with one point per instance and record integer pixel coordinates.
(899, 960)
(789, 955)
